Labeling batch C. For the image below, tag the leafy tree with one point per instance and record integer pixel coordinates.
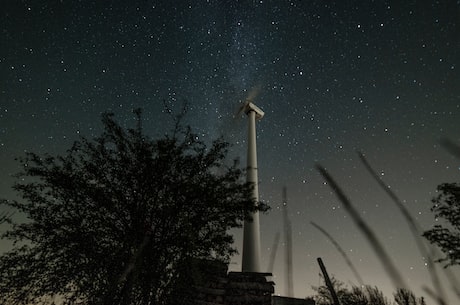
(447, 237)
(114, 220)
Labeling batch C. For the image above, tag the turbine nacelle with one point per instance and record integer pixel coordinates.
(248, 106)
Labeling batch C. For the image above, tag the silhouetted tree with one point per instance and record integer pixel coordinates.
(323, 295)
(114, 219)
(366, 295)
(447, 236)
(407, 297)
(375, 296)
(357, 297)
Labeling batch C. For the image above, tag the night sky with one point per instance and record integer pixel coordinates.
(333, 77)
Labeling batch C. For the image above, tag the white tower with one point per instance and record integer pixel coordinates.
(251, 237)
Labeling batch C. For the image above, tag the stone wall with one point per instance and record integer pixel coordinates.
(249, 288)
(278, 300)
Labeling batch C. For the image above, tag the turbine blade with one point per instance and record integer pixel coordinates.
(253, 93)
(241, 109)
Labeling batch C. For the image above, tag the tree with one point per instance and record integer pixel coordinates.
(365, 295)
(323, 295)
(447, 236)
(375, 296)
(407, 297)
(114, 219)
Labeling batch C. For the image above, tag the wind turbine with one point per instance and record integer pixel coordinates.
(251, 233)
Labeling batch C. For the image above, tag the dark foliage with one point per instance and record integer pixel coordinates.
(114, 219)
(447, 236)
(364, 295)
(407, 297)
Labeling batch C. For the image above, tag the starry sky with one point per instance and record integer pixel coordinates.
(333, 77)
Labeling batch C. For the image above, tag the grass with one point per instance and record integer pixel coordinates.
(438, 293)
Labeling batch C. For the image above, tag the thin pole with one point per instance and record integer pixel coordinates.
(329, 285)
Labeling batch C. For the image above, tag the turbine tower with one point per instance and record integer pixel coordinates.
(251, 234)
